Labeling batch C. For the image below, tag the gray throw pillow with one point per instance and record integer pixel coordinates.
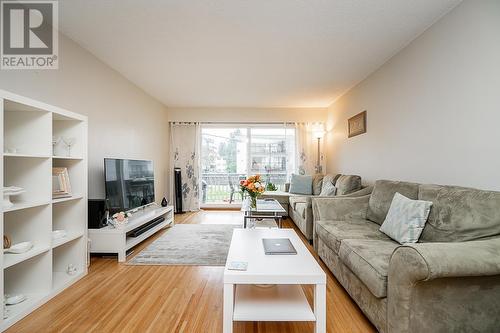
(301, 184)
(347, 184)
(406, 219)
(317, 184)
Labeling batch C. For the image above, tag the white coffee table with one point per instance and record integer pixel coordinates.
(243, 301)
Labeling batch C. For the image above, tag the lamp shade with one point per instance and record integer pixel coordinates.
(318, 131)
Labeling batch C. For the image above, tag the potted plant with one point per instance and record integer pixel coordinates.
(253, 187)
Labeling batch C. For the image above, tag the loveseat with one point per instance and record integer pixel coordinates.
(447, 282)
(299, 206)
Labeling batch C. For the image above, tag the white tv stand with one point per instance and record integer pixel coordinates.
(115, 240)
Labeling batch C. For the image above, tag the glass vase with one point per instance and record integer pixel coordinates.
(253, 202)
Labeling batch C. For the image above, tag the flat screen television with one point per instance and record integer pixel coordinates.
(129, 184)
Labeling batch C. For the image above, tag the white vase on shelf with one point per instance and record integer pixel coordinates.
(8, 192)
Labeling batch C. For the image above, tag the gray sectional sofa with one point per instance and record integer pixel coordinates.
(447, 282)
(299, 206)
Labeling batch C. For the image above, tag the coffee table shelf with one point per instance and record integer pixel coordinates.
(277, 303)
(285, 300)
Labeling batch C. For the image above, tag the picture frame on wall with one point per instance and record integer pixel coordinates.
(356, 124)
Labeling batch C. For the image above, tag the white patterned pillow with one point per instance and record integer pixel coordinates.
(328, 190)
(406, 219)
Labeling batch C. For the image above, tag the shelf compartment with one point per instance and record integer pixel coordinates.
(72, 252)
(33, 224)
(71, 236)
(18, 311)
(27, 131)
(76, 171)
(64, 127)
(32, 174)
(281, 302)
(69, 215)
(32, 278)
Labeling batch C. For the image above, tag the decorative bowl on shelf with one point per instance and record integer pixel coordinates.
(15, 299)
(8, 192)
(58, 234)
(19, 248)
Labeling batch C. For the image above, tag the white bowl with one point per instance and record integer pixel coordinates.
(58, 234)
(16, 299)
(20, 248)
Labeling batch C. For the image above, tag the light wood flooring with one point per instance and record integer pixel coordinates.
(120, 298)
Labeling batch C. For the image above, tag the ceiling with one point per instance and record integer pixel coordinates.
(247, 53)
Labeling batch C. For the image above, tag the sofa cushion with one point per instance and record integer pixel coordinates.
(300, 208)
(317, 184)
(296, 199)
(301, 184)
(333, 232)
(460, 214)
(382, 194)
(347, 184)
(369, 260)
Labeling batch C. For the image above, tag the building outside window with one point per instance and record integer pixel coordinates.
(232, 153)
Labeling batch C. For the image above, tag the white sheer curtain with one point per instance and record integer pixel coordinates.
(185, 154)
(307, 149)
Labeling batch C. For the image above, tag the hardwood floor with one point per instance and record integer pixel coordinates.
(120, 298)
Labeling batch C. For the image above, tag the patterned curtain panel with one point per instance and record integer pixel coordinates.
(307, 149)
(185, 154)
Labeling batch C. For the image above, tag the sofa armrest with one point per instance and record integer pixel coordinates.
(340, 208)
(474, 258)
(300, 198)
(455, 280)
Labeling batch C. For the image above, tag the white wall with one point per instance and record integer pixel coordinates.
(247, 114)
(123, 120)
(433, 109)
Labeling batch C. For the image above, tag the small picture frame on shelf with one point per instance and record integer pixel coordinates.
(61, 186)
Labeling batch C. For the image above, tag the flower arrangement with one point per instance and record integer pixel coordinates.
(119, 219)
(254, 187)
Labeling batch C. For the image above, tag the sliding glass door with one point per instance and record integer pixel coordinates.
(230, 153)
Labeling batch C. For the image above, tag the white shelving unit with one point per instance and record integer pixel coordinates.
(28, 127)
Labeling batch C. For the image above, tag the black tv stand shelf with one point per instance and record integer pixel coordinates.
(145, 227)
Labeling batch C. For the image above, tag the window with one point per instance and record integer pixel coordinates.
(232, 153)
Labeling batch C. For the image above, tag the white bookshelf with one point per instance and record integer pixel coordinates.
(28, 156)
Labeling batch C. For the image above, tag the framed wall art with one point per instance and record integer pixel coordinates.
(356, 125)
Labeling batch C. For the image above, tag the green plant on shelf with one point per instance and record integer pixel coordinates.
(271, 187)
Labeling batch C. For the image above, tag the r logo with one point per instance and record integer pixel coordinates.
(27, 28)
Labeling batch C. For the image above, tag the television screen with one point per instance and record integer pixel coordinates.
(129, 184)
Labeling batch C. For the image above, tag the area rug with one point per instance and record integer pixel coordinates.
(189, 244)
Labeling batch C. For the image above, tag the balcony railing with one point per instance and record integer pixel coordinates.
(224, 188)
